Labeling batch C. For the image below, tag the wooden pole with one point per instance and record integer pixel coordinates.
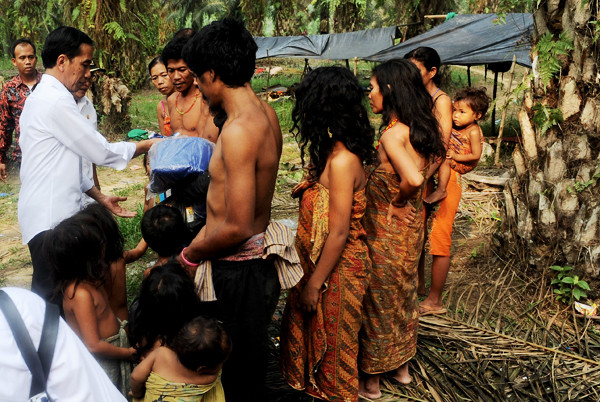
(355, 66)
(469, 74)
(504, 111)
(437, 16)
(494, 98)
(268, 75)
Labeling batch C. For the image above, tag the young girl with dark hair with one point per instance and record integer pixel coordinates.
(161, 81)
(410, 142)
(464, 151)
(321, 321)
(188, 368)
(428, 62)
(80, 270)
(167, 301)
(115, 282)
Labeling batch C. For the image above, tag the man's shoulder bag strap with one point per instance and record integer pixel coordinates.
(39, 362)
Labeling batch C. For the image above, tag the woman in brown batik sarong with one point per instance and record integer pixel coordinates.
(394, 222)
(322, 317)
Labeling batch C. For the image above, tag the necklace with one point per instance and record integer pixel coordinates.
(392, 124)
(191, 106)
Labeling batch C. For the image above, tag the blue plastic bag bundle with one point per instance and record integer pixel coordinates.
(177, 158)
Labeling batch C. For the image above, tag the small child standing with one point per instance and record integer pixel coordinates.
(470, 106)
(165, 232)
(189, 369)
(80, 269)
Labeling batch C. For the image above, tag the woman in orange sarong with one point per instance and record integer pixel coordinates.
(394, 221)
(322, 317)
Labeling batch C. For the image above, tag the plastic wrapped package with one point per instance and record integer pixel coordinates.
(175, 159)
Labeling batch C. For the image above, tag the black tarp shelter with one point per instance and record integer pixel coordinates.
(472, 39)
(340, 46)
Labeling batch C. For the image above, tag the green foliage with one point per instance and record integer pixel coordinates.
(580, 186)
(595, 27)
(131, 228)
(545, 117)
(548, 49)
(568, 287)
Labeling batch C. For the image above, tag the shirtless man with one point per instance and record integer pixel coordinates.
(243, 172)
(189, 112)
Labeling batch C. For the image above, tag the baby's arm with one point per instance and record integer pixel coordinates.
(135, 254)
(84, 313)
(475, 138)
(140, 374)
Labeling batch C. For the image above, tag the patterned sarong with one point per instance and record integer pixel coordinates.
(118, 371)
(460, 143)
(159, 389)
(319, 350)
(388, 338)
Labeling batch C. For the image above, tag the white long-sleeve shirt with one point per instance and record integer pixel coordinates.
(86, 108)
(55, 138)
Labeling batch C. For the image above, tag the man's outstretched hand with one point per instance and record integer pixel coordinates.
(112, 204)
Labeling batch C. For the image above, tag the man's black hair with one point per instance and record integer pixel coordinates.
(225, 47)
(63, 40)
(21, 41)
(174, 49)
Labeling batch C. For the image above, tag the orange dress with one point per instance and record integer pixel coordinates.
(319, 350)
(388, 337)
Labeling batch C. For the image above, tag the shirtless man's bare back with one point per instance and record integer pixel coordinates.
(243, 173)
(189, 112)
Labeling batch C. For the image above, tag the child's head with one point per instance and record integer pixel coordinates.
(470, 105)
(76, 252)
(166, 302)
(202, 345)
(398, 91)
(97, 215)
(165, 230)
(329, 107)
(428, 62)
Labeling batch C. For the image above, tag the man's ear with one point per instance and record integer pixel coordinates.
(212, 75)
(13, 61)
(61, 61)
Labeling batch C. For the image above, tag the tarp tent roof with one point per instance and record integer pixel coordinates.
(338, 46)
(470, 39)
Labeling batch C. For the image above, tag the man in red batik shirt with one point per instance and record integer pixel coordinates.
(12, 99)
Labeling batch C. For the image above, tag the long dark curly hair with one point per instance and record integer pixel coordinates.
(405, 96)
(329, 107)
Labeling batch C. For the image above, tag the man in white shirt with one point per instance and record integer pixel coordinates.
(74, 374)
(87, 110)
(55, 139)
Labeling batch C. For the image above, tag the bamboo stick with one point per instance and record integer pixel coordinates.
(504, 111)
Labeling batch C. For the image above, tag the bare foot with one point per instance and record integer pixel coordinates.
(436, 196)
(401, 374)
(430, 309)
(369, 387)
